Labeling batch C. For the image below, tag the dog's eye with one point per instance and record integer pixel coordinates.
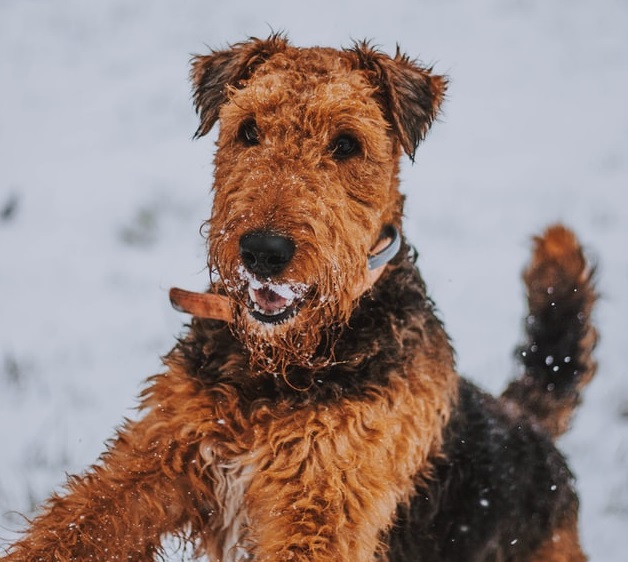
(344, 146)
(248, 133)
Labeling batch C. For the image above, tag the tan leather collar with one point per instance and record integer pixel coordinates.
(216, 307)
(202, 305)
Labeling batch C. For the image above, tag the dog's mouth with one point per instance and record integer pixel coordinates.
(274, 303)
(270, 306)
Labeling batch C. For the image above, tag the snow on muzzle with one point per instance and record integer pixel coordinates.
(273, 303)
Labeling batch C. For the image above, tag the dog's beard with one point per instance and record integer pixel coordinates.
(298, 332)
(275, 348)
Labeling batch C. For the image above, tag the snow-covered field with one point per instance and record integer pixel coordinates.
(102, 193)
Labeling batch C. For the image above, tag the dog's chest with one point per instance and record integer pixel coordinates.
(230, 481)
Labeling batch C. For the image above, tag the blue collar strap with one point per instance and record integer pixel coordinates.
(382, 257)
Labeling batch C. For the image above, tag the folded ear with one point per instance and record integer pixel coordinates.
(411, 95)
(212, 74)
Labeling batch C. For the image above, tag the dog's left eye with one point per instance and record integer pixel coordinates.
(344, 146)
(248, 133)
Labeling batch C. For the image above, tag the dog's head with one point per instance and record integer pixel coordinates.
(306, 180)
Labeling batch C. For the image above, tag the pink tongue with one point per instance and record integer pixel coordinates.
(269, 301)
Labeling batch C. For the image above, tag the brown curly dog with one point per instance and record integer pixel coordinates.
(312, 410)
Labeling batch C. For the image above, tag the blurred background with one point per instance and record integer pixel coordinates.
(103, 192)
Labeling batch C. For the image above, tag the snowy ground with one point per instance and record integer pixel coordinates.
(102, 193)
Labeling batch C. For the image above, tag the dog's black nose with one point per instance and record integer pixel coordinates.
(266, 254)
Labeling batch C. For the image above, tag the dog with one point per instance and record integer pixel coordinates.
(312, 410)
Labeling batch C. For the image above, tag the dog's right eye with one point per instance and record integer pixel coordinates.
(344, 146)
(248, 133)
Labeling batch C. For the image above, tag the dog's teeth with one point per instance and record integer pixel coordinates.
(277, 312)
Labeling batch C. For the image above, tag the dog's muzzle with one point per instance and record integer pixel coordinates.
(265, 255)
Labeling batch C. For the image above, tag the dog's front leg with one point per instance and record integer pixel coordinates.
(119, 509)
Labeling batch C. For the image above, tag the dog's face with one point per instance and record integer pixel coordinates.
(305, 180)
